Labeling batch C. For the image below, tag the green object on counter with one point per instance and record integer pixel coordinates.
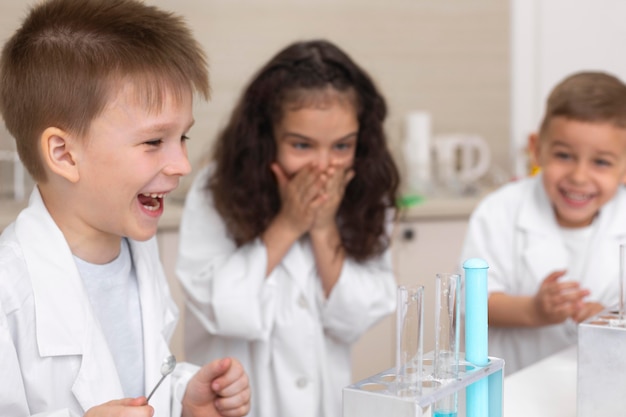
(410, 200)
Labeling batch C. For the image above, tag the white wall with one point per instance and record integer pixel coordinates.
(450, 57)
(552, 39)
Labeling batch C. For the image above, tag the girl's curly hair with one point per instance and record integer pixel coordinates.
(243, 186)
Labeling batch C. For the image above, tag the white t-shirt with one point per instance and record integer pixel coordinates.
(114, 295)
(577, 243)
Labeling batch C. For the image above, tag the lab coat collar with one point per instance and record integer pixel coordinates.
(545, 250)
(159, 318)
(537, 214)
(64, 322)
(60, 300)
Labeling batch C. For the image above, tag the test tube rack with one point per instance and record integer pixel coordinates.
(378, 396)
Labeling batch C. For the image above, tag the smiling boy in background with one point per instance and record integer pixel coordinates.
(552, 241)
(98, 95)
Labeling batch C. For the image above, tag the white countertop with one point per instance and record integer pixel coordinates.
(441, 208)
(431, 208)
(544, 389)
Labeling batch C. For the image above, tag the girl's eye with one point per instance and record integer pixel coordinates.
(343, 146)
(562, 155)
(300, 145)
(184, 138)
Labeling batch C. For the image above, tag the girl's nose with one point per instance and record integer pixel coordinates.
(323, 160)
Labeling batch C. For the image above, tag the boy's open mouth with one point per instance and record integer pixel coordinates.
(577, 197)
(151, 201)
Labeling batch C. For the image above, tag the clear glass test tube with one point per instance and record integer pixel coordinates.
(409, 340)
(621, 310)
(447, 337)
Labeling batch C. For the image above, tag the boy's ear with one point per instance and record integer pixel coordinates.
(58, 153)
(533, 148)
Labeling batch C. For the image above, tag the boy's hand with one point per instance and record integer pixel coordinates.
(300, 196)
(219, 388)
(126, 407)
(338, 179)
(587, 310)
(556, 301)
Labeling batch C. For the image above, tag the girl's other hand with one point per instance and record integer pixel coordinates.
(301, 196)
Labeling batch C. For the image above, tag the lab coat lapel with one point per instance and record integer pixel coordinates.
(159, 316)
(543, 250)
(610, 233)
(543, 247)
(65, 324)
(299, 263)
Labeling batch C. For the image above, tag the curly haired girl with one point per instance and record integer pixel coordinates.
(284, 252)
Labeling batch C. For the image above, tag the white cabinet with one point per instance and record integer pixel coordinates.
(421, 248)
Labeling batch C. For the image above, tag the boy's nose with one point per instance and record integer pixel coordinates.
(178, 163)
(580, 172)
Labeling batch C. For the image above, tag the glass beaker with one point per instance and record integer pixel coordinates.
(447, 337)
(409, 340)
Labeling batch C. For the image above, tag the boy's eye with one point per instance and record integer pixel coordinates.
(154, 142)
(562, 155)
(603, 162)
(184, 138)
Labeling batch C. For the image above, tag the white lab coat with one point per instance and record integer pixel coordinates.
(54, 359)
(293, 341)
(515, 230)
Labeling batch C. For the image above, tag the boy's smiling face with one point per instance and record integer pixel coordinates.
(583, 164)
(130, 159)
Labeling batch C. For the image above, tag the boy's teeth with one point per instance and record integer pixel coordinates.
(153, 208)
(153, 195)
(579, 197)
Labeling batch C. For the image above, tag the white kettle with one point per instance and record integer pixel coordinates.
(461, 159)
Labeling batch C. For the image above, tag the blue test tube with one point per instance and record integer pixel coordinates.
(476, 340)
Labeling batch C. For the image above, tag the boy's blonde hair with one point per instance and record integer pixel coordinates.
(588, 97)
(69, 58)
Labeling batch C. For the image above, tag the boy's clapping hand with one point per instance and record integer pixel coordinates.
(557, 301)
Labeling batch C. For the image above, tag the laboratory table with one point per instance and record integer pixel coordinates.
(544, 389)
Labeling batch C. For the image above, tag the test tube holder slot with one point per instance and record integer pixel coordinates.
(377, 395)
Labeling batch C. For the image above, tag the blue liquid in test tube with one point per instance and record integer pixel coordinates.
(476, 340)
(444, 414)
